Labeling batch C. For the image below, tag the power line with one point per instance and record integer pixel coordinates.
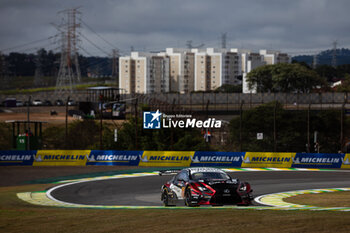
(92, 63)
(334, 54)
(89, 54)
(107, 42)
(223, 40)
(29, 43)
(26, 50)
(96, 46)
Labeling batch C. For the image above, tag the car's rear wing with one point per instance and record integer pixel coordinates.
(169, 172)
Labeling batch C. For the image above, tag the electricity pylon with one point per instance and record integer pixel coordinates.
(69, 71)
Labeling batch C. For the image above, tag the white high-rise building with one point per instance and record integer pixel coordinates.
(272, 57)
(144, 73)
(181, 69)
(249, 61)
(214, 68)
(185, 70)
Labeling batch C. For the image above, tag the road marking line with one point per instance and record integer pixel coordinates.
(274, 201)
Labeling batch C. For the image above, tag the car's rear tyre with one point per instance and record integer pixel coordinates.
(188, 198)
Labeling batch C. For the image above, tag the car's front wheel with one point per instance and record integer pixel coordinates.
(188, 198)
(165, 197)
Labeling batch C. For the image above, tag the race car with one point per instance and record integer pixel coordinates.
(204, 186)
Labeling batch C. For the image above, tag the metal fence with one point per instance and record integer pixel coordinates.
(233, 101)
(215, 101)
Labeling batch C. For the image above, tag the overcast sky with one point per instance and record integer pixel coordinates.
(295, 26)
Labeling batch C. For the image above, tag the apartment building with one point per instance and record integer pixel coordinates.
(272, 57)
(249, 61)
(214, 68)
(181, 69)
(185, 70)
(127, 74)
(144, 73)
(159, 81)
(232, 69)
(201, 71)
(187, 85)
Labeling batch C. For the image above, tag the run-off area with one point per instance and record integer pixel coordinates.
(146, 190)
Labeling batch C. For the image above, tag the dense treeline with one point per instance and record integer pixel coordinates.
(86, 135)
(325, 57)
(298, 78)
(290, 130)
(21, 64)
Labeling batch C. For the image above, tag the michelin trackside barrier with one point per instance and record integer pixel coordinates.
(173, 159)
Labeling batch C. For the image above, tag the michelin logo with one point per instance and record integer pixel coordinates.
(247, 160)
(14, 157)
(151, 120)
(317, 160)
(155, 158)
(145, 159)
(345, 162)
(258, 159)
(215, 159)
(43, 158)
(111, 157)
(37, 159)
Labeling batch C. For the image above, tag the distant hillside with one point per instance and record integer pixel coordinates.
(325, 57)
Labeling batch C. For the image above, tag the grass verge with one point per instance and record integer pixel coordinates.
(19, 216)
(333, 199)
(42, 89)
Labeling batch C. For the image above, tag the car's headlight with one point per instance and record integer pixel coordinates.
(202, 189)
(232, 181)
(243, 188)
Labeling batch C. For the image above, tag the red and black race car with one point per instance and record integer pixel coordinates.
(204, 186)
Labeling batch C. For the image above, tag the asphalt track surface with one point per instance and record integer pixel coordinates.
(145, 191)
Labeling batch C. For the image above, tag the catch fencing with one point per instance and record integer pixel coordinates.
(214, 101)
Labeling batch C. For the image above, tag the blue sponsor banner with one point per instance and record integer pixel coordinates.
(17, 157)
(313, 160)
(217, 159)
(114, 157)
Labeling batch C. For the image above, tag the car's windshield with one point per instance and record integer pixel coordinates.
(210, 176)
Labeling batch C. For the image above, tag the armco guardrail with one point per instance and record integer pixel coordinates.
(173, 159)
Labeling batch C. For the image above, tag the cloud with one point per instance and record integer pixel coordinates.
(156, 24)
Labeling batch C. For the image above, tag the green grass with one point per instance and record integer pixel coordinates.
(42, 89)
(333, 199)
(19, 216)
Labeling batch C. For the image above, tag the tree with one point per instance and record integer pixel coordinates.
(160, 139)
(228, 88)
(5, 136)
(284, 77)
(343, 70)
(345, 85)
(326, 71)
(291, 129)
(53, 138)
(82, 135)
(302, 63)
